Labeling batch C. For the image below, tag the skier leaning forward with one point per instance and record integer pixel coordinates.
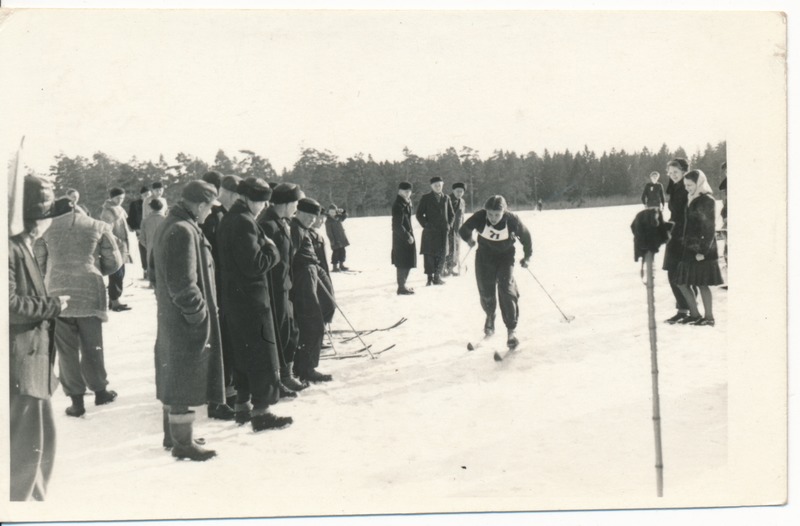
(494, 261)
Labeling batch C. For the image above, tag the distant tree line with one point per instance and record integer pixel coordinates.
(367, 187)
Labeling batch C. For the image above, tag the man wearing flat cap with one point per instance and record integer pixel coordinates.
(275, 223)
(404, 247)
(453, 244)
(32, 354)
(227, 196)
(114, 215)
(246, 257)
(188, 348)
(435, 214)
(306, 286)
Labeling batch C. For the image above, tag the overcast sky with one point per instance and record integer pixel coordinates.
(136, 83)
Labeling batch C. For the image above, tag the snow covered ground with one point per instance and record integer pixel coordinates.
(564, 423)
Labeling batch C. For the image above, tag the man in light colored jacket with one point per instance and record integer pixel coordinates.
(115, 215)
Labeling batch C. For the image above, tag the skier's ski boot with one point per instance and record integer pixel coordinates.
(343, 268)
(488, 326)
(512, 341)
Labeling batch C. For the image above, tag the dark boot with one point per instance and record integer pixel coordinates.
(404, 291)
(167, 442)
(76, 409)
(313, 376)
(430, 280)
(264, 421)
(220, 411)
(488, 325)
(335, 267)
(437, 280)
(342, 267)
(242, 413)
(285, 393)
(290, 380)
(183, 446)
(104, 397)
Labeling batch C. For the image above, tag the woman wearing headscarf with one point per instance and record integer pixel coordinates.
(698, 265)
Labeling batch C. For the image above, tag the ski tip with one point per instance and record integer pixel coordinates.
(470, 347)
(497, 357)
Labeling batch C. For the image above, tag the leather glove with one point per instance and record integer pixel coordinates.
(471, 243)
(524, 262)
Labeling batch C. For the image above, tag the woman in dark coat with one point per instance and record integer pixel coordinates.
(189, 370)
(435, 214)
(32, 354)
(246, 256)
(404, 246)
(699, 266)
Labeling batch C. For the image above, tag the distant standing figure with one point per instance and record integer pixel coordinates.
(188, 350)
(150, 225)
(497, 230)
(114, 215)
(337, 237)
(453, 241)
(76, 252)
(31, 351)
(135, 216)
(404, 246)
(75, 196)
(698, 266)
(653, 194)
(539, 205)
(723, 187)
(156, 193)
(435, 214)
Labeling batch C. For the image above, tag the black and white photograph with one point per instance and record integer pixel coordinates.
(429, 264)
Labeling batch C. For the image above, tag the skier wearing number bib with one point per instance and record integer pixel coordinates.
(497, 230)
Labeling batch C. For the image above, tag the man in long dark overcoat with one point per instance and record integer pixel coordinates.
(435, 214)
(275, 223)
(246, 257)
(188, 346)
(404, 246)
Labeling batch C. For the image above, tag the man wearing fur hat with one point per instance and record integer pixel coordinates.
(31, 351)
(75, 254)
(246, 257)
(114, 215)
(497, 230)
(227, 197)
(188, 350)
(274, 220)
(305, 289)
(453, 244)
(435, 214)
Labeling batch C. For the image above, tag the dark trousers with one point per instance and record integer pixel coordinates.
(308, 314)
(496, 279)
(115, 282)
(327, 299)
(33, 447)
(433, 264)
(402, 277)
(79, 342)
(680, 300)
(285, 327)
(227, 356)
(251, 388)
(143, 255)
(338, 255)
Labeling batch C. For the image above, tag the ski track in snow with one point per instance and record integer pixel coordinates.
(430, 426)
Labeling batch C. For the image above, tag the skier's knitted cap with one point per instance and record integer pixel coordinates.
(459, 185)
(436, 179)
(405, 185)
(230, 182)
(143, 190)
(286, 193)
(308, 205)
(199, 192)
(37, 198)
(157, 185)
(63, 205)
(213, 177)
(255, 189)
(496, 202)
(114, 192)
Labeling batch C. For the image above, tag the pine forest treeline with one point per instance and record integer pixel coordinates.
(367, 187)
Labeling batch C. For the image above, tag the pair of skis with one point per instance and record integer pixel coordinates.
(360, 352)
(498, 357)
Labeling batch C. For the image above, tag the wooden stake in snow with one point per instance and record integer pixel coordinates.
(651, 313)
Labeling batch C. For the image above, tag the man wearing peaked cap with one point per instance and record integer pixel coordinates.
(306, 286)
(246, 257)
(189, 366)
(32, 433)
(453, 243)
(227, 197)
(435, 214)
(274, 221)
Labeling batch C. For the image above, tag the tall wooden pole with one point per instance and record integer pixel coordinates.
(651, 312)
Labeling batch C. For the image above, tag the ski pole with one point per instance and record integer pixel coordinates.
(567, 318)
(651, 315)
(464, 260)
(366, 347)
(330, 338)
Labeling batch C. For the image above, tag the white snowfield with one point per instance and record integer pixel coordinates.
(565, 422)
